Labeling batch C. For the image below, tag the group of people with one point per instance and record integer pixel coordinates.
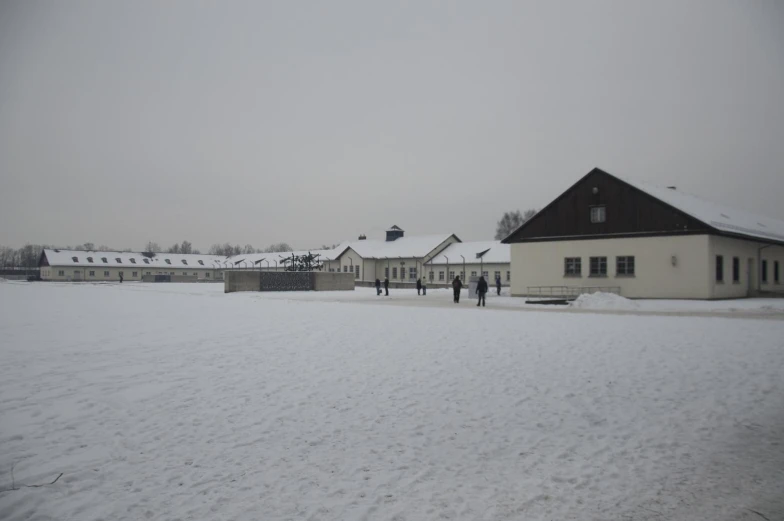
(457, 286)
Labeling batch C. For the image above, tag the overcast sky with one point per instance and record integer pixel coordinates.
(312, 122)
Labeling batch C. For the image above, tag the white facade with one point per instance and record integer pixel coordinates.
(678, 267)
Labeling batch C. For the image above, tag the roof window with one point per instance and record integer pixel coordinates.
(89, 259)
(119, 260)
(75, 259)
(167, 261)
(104, 259)
(201, 262)
(184, 261)
(146, 260)
(133, 261)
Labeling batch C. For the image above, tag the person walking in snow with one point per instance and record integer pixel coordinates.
(386, 286)
(481, 290)
(457, 285)
(378, 287)
(498, 284)
(419, 286)
(424, 286)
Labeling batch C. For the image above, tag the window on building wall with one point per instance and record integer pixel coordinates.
(185, 273)
(89, 259)
(462, 276)
(148, 273)
(195, 274)
(357, 269)
(451, 275)
(105, 273)
(573, 266)
(719, 268)
(440, 275)
(402, 273)
(624, 266)
(92, 274)
(486, 275)
(345, 269)
(386, 272)
(61, 273)
(412, 274)
(598, 266)
(497, 275)
(473, 274)
(598, 214)
(207, 275)
(432, 276)
(764, 271)
(735, 270)
(394, 273)
(508, 276)
(776, 272)
(134, 274)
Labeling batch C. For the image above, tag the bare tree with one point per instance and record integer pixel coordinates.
(152, 247)
(512, 221)
(174, 249)
(248, 249)
(274, 248)
(186, 247)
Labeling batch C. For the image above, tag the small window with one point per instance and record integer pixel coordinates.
(105, 260)
(184, 262)
(89, 259)
(148, 273)
(119, 260)
(345, 269)
(105, 273)
(207, 275)
(508, 276)
(412, 274)
(61, 273)
(776, 272)
(185, 273)
(764, 271)
(386, 273)
(598, 214)
(167, 261)
(75, 259)
(598, 266)
(357, 267)
(135, 274)
(624, 266)
(485, 275)
(473, 274)
(719, 268)
(735, 269)
(402, 274)
(440, 275)
(201, 262)
(451, 275)
(146, 261)
(497, 275)
(394, 273)
(573, 266)
(92, 274)
(133, 261)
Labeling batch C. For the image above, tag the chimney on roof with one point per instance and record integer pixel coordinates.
(672, 187)
(394, 233)
(362, 237)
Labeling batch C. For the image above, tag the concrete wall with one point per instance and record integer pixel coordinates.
(287, 281)
(656, 275)
(750, 258)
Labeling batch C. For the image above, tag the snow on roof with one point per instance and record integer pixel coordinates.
(722, 218)
(130, 259)
(404, 247)
(395, 228)
(486, 251)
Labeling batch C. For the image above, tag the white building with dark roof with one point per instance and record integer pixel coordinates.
(645, 241)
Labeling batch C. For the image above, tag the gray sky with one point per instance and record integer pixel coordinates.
(312, 122)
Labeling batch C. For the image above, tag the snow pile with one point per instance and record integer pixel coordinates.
(601, 300)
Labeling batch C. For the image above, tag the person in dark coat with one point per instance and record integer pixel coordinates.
(498, 284)
(386, 286)
(378, 287)
(481, 290)
(121, 277)
(419, 286)
(457, 285)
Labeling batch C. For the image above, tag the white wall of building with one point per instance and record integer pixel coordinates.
(749, 277)
(665, 267)
(112, 274)
(489, 270)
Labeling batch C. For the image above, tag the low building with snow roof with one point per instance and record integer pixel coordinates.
(645, 241)
(490, 259)
(399, 258)
(93, 266)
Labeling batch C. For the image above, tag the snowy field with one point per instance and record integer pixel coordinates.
(177, 402)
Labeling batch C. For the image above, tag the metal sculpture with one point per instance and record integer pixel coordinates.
(309, 262)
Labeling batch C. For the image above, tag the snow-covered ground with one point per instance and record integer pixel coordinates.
(175, 401)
